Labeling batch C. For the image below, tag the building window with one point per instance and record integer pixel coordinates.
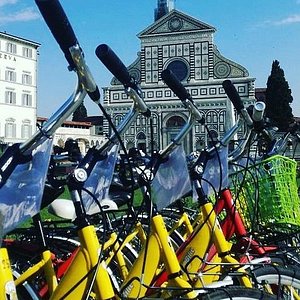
(222, 117)
(26, 129)
(10, 75)
(11, 48)
(175, 121)
(10, 128)
(179, 68)
(212, 117)
(154, 118)
(138, 121)
(141, 141)
(27, 52)
(27, 79)
(10, 97)
(26, 100)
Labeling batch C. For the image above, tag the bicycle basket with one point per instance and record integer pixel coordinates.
(267, 194)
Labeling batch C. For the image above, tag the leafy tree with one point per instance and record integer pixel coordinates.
(278, 98)
(80, 113)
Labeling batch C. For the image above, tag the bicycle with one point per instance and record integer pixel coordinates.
(88, 239)
(193, 260)
(87, 258)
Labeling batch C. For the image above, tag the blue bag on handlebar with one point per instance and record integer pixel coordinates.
(21, 195)
(172, 180)
(215, 175)
(99, 181)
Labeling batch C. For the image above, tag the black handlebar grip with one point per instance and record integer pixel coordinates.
(233, 95)
(174, 84)
(95, 95)
(59, 25)
(113, 64)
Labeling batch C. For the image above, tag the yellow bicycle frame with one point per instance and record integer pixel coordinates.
(46, 264)
(7, 286)
(115, 251)
(85, 259)
(157, 250)
(193, 257)
(183, 221)
(79, 271)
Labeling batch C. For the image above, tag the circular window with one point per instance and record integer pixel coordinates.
(179, 68)
(175, 24)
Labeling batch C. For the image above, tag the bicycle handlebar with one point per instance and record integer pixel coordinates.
(175, 85)
(258, 111)
(61, 29)
(233, 95)
(59, 25)
(114, 64)
(236, 100)
(85, 76)
(180, 91)
(251, 132)
(194, 114)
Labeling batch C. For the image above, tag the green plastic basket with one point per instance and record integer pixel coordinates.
(267, 193)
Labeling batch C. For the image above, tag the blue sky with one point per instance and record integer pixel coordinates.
(252, 33)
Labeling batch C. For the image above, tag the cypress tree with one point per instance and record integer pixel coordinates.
(80, 113)
(278, 98)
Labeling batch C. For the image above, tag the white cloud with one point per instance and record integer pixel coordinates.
(288, 20)
(24, 15)
(292, 19)
(7, 2)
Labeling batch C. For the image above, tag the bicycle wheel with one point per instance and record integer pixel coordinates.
(284, 282)
(237, 293)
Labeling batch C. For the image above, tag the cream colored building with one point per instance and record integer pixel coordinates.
(185, 45)
(85, 133)
(18, 97)
(18, 88)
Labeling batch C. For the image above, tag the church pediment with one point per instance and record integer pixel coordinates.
(175, 22)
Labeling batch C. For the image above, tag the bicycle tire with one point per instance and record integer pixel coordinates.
(237, 293)
(284, 282)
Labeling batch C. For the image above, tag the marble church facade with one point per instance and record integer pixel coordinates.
(186, 46)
